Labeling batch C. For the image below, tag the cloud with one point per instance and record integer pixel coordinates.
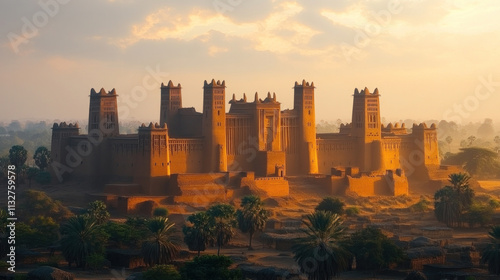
(279, 32)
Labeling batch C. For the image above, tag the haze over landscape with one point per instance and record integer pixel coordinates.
(429, 59)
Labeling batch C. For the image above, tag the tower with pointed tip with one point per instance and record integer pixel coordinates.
(214, 126)
(103, 114)
(171, 102)
(366, 129)
(304, 106)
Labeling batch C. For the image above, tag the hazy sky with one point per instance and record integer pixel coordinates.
(430, 59)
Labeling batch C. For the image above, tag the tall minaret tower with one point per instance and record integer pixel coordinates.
(214, 126)
(103, 114)
(366, 129)
(171, 101)
(304, 105)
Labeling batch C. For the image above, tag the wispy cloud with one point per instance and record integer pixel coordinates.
(279, 32)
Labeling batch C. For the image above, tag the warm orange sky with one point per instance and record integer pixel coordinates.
(429, 59)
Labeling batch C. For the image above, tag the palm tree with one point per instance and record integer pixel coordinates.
(252, 217)
(446, 206)
(320, 254)
(198, 232)
(452, 202)
(491, 254)
(161, 248)
(81, 237)
(460, 183)
(224, 221)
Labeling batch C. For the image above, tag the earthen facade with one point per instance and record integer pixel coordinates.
(253, 139)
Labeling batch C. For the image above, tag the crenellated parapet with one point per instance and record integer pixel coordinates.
(395, 129)
(213, 83)
(170, 84)
(152, 126)
(64, 125)
(102, 92)
(366, 91)
(304, 84)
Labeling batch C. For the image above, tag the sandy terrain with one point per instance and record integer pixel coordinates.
(302, 200)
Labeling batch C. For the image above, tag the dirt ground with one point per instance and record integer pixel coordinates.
(301, 201)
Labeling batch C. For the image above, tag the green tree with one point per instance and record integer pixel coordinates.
(320, 254)
(210, 267)
(332, 204)
(42, 157)
(81, 237)
(476, 161)
(161, 247)
(480, 214)
(18, 156)
(491, 255)
(161, 272)
(37, 203)
(373, 250)
(198, 232)
(123, 235)
(161, 212)
(471, 140)
(31, 173)
(98, 211)
(223, 217)
(446, 206)
(453, 202)
(252, 216)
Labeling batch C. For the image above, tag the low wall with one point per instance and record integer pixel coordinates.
(273, 186)
(139, 204)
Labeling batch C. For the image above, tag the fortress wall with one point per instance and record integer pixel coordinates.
(338, 185)
(239, 134)
(186, 155)
(123, 154)
(244, 162)
(369, 186)
(200, 189)
(273, 186)
(82, 157)
(391, 150)
(334, 153)
(290, 142)
(267, 161)
(190, 125)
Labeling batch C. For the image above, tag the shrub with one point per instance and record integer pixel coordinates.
(420, 207)
(210, 267)
(352, 211)
(331, 204)
(124, 235)
(37, 203)
(96, 261)
(373, 250)
(161, 272)
(160, 212)
(98, 211)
